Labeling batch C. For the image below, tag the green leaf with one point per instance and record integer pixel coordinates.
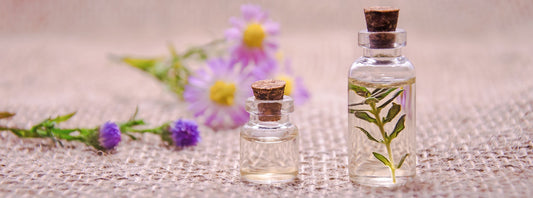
(18, 132)
(371, 100)
(63, 131)
(134, 114)
(382, 159)
(402, 160)
(172, 50)
(4, 115)
(393, 111)
(198, 51)
(358, 110)
(131, 123)
(368, 135)
(355, 104)
(399, 127)
(377, 91)
(65, 134)
(361, 91)
(59, 119)
(130, 135)
(141, 63)
(384, 94)
(391, 99)
(364, 116)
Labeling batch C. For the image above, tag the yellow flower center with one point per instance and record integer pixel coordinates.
(289, 82)
(222, 93)
(254, 35)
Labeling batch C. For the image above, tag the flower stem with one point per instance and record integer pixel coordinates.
(154, 130)
(386, 140)
(392, 168)
(157, 130)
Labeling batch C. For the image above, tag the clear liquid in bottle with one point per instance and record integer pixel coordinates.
(269, 156)
(381, 132)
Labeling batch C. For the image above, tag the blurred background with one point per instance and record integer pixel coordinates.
(56, 52)
(474, 94)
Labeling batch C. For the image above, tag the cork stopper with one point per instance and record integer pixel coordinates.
(381, 19)
(269, 90)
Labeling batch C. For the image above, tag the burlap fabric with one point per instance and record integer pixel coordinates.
(474, 98)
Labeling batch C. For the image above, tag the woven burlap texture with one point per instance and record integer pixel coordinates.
(474, 117)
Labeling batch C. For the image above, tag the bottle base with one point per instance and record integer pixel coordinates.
(268, 177)
(375, 181)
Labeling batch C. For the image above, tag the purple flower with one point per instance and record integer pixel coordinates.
(184, 133)
(109, 136)
(253, 36)
(217, 94)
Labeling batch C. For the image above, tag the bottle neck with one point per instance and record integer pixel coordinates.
(269, 112)
(382, 45)
(382, 53)
(276, 119)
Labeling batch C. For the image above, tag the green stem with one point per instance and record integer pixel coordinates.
(392, 168)
(157, 130)
(154, 130)
(21, 133)
(378, 121)
(386, 140)
(17, 132)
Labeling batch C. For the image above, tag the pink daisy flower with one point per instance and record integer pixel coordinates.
(217, 94)
(253, 36)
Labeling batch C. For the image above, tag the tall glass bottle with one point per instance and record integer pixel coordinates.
(269, 143)
(381, 111)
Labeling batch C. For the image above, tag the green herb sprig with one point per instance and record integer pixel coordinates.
(172, 70)
(373, 115)
(181, 133)
(49, 128)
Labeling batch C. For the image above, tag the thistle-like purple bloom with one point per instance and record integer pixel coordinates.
(184, 133)
(109, 136)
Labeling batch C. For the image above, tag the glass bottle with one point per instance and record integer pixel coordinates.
(269, 143)
(381, 112)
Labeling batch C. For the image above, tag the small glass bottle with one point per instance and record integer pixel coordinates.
(269, 141)
(381, 105)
